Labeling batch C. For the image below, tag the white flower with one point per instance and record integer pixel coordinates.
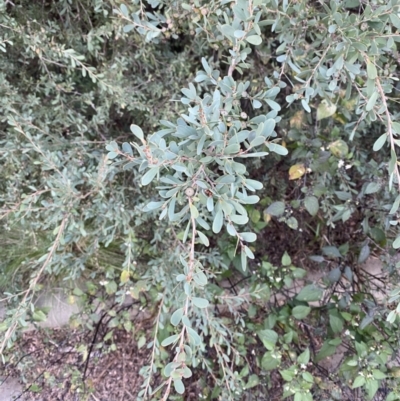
(340, 163)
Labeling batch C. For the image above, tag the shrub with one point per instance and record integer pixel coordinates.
(282, 152)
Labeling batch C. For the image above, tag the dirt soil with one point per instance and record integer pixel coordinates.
(52, 367)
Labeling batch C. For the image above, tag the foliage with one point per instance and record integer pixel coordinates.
(288, 124)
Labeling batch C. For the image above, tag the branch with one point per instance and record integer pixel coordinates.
(186, 307)
(389, 127)
(154, 347)
(32, 287)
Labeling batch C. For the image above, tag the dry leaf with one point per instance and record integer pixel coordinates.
(296, 171)
(124, 276)
(325, 110)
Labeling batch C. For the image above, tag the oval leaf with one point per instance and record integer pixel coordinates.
(203, 238)
(297, 171)
(279, 149)
(254, 39)
(124, 276)
(396, 243)
(301, 311)
(218, 221)
(149, 176)
(179, 386)
(310, 293)
(339, 148)
(371, 102)
(325, 110)
(169, 340)
(200, 302)
(137, 131)
(372, 187)
(311, 205)
(177, 316)
(371, 70)
(248, 237)
(276, 209)
(379, 142)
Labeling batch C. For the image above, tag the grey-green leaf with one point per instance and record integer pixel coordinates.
(243, 260)
(371, 102)
(169, 340)
(149, 176)
(112, 146)
(128, 28)
(177, 316)
(193, 336)
(239, 219)
(137, 131)
(124, 10)
(127, 148)
(112, 155)
(203, 238)
(248, 237)
(371, 70)
(380, 142)
(179, 386)
(200, 302)
(200, 278)
(396, 243)
(248, 252)
(279, 149)
(254, 39)
(153, 205)
(218, 221)
(395, 20)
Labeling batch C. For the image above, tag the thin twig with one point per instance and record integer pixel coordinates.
(316, 67)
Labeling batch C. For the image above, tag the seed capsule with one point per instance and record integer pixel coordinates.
(189, 192)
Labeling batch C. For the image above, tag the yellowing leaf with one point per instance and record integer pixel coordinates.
(71, 300)
(297, 120)
(124, 276)
(339, 148)
(349, 104)
(296, 171)
(325, 110)
(340, 118)
(267, 217)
